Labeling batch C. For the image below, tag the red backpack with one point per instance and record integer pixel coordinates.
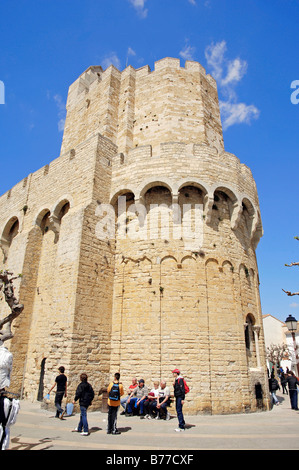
(187, 389)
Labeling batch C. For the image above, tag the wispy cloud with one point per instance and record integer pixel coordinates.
(187, 53)
(111, 59)
(294, 305)
(139, 6)
(237, 113)
(61, 109)
(131, 51)
(228, 73)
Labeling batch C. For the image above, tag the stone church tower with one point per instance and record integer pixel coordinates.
(137, 244)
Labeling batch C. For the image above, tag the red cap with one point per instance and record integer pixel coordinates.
(176, 371)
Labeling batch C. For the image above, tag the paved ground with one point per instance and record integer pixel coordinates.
(278, 429)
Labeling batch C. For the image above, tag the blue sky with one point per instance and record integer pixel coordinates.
(249, 46)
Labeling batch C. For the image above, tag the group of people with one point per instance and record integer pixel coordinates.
(139, 400)
(286, 379)
(148, 404)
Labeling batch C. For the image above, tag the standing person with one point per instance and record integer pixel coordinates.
(85, 395)
(124, 400)
(283, 381)
(179, 394)
(61, 391)
(273, 386)
(292, 383)
(115, 391)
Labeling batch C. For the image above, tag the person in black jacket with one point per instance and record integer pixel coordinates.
(273, 387)
(179, 394)
(85, 395)
(292, 383)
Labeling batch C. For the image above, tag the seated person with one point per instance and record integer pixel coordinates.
(151, 402)
(163, 401)
(124, 400)
(137, 398)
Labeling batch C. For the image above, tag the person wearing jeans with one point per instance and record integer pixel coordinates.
(292, 383)
(137, 398)
(179, 394)
(83, 423)
(85, 395)
(115, 392)
(61, 391)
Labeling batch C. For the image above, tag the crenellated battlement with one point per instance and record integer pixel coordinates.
(181, 105)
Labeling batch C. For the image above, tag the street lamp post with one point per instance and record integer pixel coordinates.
(291, 324)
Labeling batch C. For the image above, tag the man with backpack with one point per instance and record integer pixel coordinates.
(180, 390)
(115, 391)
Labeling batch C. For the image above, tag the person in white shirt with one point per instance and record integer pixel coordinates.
(163, 401)
(151, 402)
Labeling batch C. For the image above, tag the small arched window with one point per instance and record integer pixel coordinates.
(64, 210)
(249, 331)
(45, 222)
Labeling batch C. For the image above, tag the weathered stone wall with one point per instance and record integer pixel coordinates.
(148, 298)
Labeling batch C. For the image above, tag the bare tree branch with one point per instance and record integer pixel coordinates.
(6, 285)
(290, 294)
(292, 264)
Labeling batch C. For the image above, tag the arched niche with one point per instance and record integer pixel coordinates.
(10, 231)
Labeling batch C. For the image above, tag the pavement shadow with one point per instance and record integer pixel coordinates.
(94, 429)
(189, 426)
(125, 429)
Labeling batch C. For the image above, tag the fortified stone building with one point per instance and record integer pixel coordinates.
(139, 295)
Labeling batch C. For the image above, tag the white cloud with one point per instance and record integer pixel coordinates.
(237, 113)
(236, 70)
(187, 53)
(111, 59)
(131, 51)
(61, 112)
(215, 57)
(228, 73)
(294, 305)
(193, 2)
(139, 7)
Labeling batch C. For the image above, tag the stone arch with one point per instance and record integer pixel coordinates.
(211, 260)
(193, 182)
(167, 258)
(190, 192)
(59, 210)
(154, 182)
(62, 206)
(41, 216)
(121, 192)
(248, 331)
(224, 193)
(187, 259)
(42, 220)
(228, 191)
(10, 231)
(157, 201)
(120, 206)
(227, 265)
(247, 271)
